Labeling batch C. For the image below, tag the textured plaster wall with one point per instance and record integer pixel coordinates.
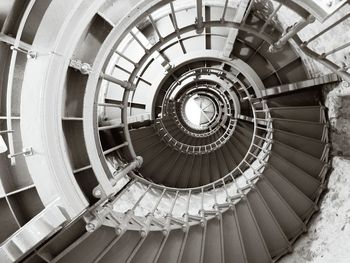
(338, 104)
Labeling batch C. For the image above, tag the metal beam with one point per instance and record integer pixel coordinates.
(199, 18)
(176, 27)
(155, 27)
(290, 33)
(224, 11)
(45, 224)
(11, 41)
(301, 85)
(124, 84)
(145, 43)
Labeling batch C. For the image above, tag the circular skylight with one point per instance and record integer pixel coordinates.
(200, 111)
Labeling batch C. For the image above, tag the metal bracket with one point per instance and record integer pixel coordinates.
(84, 68)
(290, 32)
(25, 152)
(5, 132)
(30, 54)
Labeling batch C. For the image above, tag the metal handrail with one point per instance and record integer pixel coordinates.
(192, 149)
(15, 49)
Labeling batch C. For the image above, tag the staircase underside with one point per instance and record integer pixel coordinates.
(163, 131)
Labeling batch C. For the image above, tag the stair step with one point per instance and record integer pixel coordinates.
(231, 164)
(205, 170)
(247, 126)
(213, 251)
(169, 167)
(196, 172)
(124, 248)
(214, 167)
(300, 203)
(240, 148)
(179, 135)
(81, 248)
(305, 97)
(223, 165)
(289, 221)
(186, 173)
(305, 162)
(194, 246)
(149, 248)
(234, 153)
(157, 168)
(305, 144)
(303, 128)
(244, 138)
(305, 182)
(172, 128)
(309, 113)
(172, 248)
(175, 173)
(153, 137)
(168, 120)
(188, 139)
(141, 133)
(253, 241)
(149, 147)
(274, 237)
(145, 142)
(233, 243)
(153, 152)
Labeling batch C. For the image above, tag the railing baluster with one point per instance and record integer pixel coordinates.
(224, 12)
(176, 27)
(126, 58)
(199, 18)
(267, 22)
(296, 28)
(115, 148)
(335, 50)
(155, 28)
(139, 42)
(123, 191)
(124, 84)
(247, 12)
(326, 29)
(140, 198)
(5, 132)
(186, 216)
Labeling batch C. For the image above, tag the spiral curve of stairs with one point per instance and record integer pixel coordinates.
(162, 131)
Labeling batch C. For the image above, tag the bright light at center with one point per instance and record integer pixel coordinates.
(193, 111)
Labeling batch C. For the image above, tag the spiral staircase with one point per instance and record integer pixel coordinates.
(163, 131)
